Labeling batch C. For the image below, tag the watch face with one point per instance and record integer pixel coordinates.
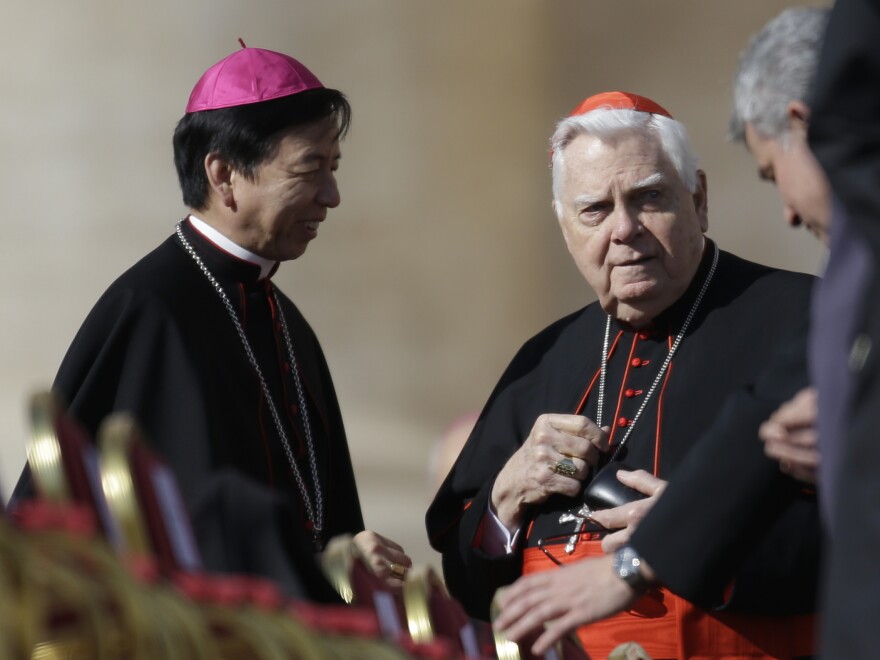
(627, 565)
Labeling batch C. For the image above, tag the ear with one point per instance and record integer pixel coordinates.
(798, 115)
(701, 201)
(220, 175)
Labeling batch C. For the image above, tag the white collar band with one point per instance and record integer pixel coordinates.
(221, 241)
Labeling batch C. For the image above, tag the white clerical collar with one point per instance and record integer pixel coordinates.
(221, 241)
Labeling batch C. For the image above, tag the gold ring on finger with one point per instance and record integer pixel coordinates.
(565, 467)
(397, 570)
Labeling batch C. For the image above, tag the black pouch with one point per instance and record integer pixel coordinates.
(605, 491)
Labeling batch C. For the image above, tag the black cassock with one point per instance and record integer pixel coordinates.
(161, 345)
(751, 314)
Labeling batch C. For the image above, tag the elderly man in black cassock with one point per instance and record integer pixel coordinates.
(728, 502)
(218, 366)
(633, 380)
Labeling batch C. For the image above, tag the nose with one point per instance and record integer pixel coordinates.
(626, 225)
(328, 195)
(792, 218)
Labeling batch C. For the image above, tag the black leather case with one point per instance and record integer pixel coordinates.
(606, 492)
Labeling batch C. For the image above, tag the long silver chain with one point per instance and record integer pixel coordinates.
(316, 513)
(666, 362)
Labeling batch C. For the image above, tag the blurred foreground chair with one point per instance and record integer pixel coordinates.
(81, 602)
(432, 614)
(248, 616)
(349, 573)
(106, 566)
(245, 614)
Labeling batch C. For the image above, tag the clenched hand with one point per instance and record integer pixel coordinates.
(529, 477)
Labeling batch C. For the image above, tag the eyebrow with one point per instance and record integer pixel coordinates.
(649, 181)
(586, 200)
(315, 157)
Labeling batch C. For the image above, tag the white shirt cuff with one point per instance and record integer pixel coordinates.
(497, 539)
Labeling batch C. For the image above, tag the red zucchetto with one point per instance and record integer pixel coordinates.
(619, 101)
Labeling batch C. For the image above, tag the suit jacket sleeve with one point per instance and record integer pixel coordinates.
(845, 137)
(728, 512)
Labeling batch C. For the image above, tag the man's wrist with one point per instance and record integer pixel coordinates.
(504, 505)
(629, 566)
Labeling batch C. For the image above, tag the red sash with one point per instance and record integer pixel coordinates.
(670, 627)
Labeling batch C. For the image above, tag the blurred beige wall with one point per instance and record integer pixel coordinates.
(444, 255)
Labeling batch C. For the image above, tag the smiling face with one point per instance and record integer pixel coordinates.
(632, 227)
(278, 210)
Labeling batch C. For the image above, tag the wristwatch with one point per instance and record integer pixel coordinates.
(627, 565)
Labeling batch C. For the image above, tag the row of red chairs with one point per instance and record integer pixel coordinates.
(103, 564)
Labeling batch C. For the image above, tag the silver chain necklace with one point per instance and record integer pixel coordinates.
(316, 513)
(672, 349)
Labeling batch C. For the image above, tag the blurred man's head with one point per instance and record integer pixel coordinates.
(631, 203)
(771, 113)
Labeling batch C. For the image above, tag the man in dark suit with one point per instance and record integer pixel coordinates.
(845, 136)
(701, 527)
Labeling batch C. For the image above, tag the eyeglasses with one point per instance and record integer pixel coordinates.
(588, 526)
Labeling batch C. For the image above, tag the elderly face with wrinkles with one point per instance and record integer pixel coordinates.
(633, 228)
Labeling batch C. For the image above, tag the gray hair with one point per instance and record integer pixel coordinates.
(606, 124)
(777, 67)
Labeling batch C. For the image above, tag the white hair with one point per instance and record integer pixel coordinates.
(607, 123)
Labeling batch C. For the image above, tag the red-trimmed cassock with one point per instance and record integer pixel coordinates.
(160, 344)
(751, 318)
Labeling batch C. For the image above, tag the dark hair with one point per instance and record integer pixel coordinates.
(247, 135)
